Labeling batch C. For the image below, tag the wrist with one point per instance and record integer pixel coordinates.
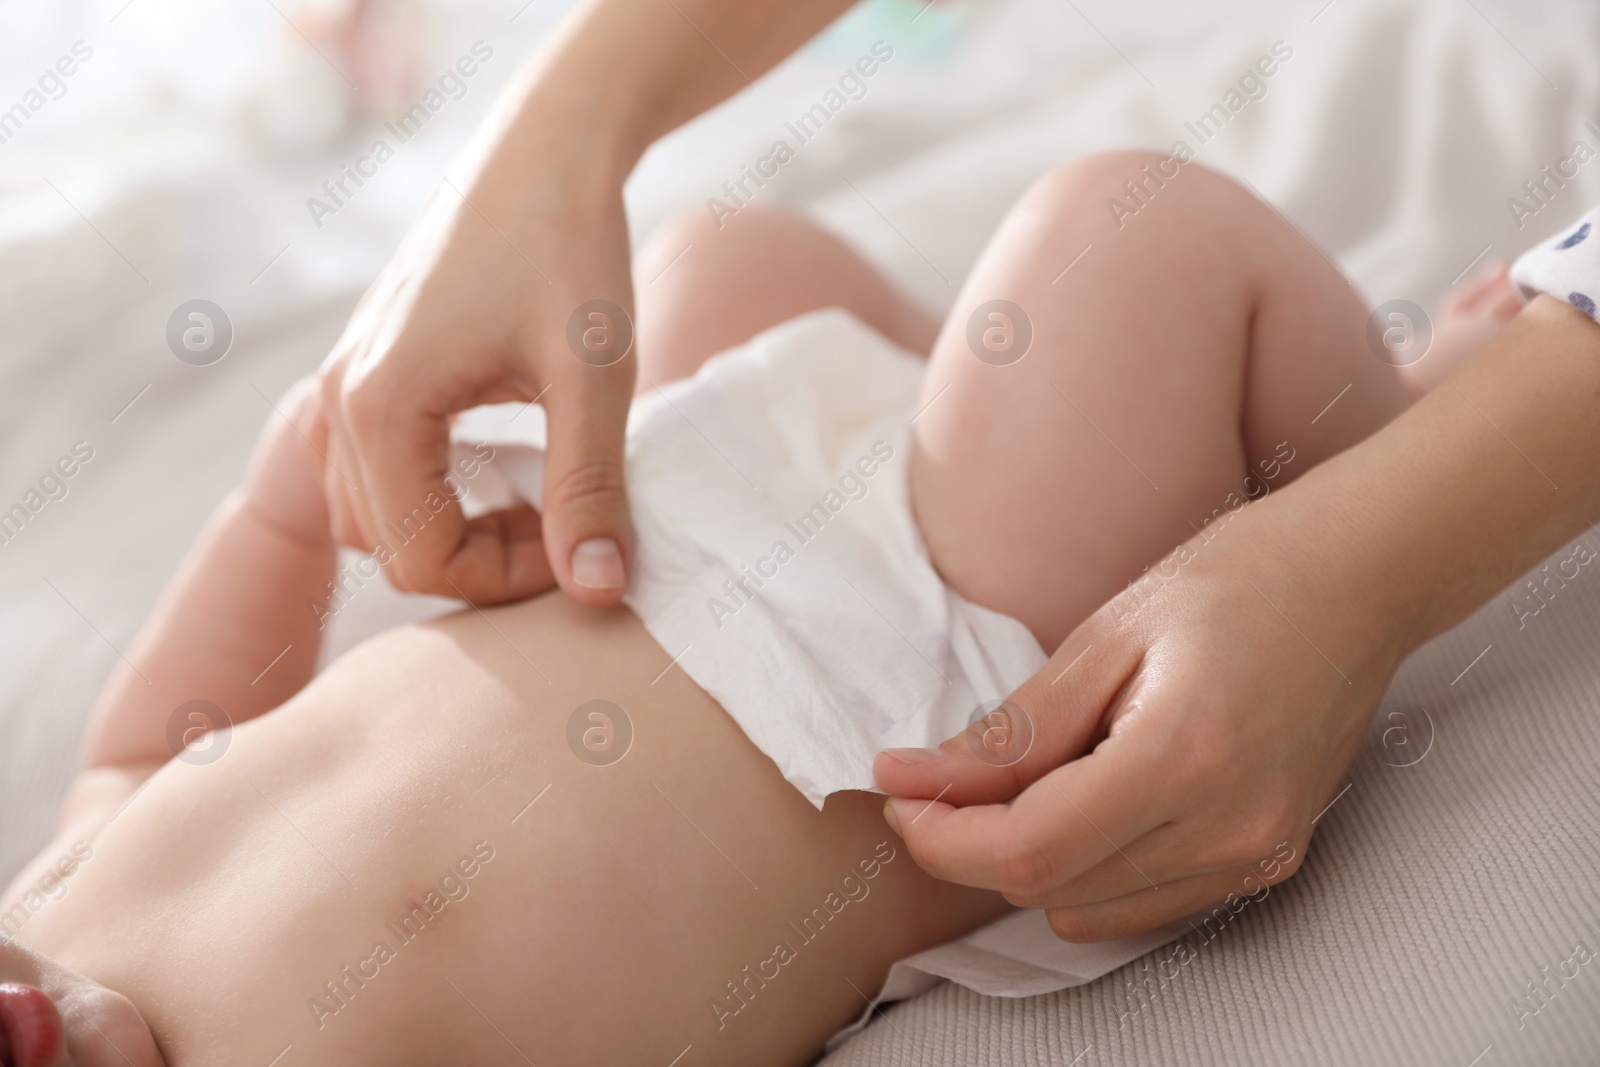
(552, 130)
(299, 525)
(546, 168)
(1317, 552)
(1404, 535)
(569, 106)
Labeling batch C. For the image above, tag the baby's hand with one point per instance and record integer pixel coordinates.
(1469, 316)
(284, 485)
(52, 1016)
(1482, 305)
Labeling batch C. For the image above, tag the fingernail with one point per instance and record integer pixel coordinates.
(597, 564)
(891, 818)
(913, 755)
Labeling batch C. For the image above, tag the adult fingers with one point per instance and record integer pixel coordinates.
(588, 533)
(397, 427)
(1050, 719)
(1174, 852)
(1062, 826)
(400, 439)
(1223, 893)
(501, 550)
(1155, 859)
(1227, 893)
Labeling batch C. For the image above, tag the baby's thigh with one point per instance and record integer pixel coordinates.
(703, 286)
(1085, 404)
(686, 893)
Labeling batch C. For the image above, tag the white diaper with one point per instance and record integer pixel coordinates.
(779, 563)
(777, 557)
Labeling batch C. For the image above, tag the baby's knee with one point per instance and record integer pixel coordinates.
(666, 243)
(1116, 187)
(721, 242)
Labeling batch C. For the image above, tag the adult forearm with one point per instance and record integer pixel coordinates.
(622, 73)
(1496, 468)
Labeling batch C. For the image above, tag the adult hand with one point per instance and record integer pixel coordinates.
(1211, 715)
(1175, 750)
(493, 298)
(475, 308)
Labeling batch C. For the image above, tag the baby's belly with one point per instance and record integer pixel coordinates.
(422, 860)
(355, 852)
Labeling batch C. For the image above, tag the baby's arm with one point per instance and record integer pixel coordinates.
(253, 586)
(239, 625)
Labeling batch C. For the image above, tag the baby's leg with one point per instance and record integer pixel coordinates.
(700, 289)
(1195, 342)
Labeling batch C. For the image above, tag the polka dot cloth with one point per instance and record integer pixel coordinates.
(1566, 266)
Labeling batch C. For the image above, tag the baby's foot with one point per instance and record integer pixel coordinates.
(1468, 317)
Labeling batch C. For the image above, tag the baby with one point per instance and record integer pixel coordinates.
(402, 860)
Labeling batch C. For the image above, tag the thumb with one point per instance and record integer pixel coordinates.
(587, 530)
(1047, 721)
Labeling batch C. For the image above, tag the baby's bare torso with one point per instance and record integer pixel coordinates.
(408, 864)
(349, 863)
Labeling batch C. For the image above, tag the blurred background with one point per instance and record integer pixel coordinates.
(176, 163)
